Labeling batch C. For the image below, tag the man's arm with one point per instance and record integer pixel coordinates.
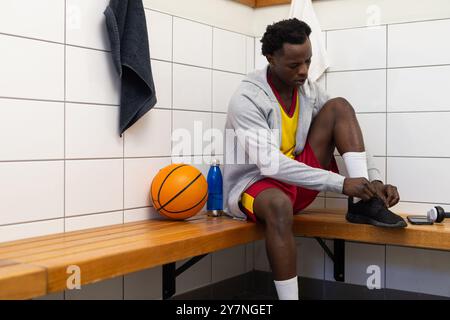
(257, 139)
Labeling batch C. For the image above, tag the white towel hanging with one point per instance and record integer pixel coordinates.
(303, 10)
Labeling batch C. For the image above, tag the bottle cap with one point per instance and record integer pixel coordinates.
(215, 162)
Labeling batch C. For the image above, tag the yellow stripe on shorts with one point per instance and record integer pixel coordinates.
(247, 202)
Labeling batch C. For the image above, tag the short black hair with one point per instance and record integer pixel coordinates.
(292, 31)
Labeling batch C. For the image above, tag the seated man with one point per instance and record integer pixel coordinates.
(288, 128)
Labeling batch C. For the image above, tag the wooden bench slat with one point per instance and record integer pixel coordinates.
(91, 233)
(332, 225)
(153, 237)
(19, 281)
(105, 263)
(88, 237)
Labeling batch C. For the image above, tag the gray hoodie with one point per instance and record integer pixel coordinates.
(253, 137)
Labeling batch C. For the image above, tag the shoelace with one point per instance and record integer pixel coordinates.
(377, 202)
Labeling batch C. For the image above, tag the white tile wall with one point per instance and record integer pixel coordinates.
(405, 51)
(150, 135)
(310, 258)
(224, 85)
(31, 129)
(162, 78)
(420, 179)
(143, 285)
(364, 261)
(39, 75)
(159, 29)
(418, 270)
(358, 258)
(85, 24)
(426, 131)
(260, 60)
(191, 126)
(94, 186)
(15, 12)
(219, 124)
(93, 221)
(91, 131)
(357, 86)
(412, 207)
(191, 88)
(91, 77)
(140, 214)
(373, 127)
(228, 263)
(31, 191)
(192, 43)
(250, 42)
(30, 229)
(419, 89)
(353, 49)
(227, 51)
(138, 175)
(196, 276)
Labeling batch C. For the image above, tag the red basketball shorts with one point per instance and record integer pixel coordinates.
(300, 197)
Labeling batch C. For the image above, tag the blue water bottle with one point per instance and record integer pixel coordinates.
(214, 205)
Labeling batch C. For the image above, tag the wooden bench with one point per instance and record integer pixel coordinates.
(38, 266)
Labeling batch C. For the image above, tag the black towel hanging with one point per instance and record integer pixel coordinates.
(127, 31)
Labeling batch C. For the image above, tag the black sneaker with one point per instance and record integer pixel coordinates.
(373, 212)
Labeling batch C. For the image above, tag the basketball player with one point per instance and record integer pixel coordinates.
(308, 126)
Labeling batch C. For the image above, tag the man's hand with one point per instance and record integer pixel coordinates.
(359, 187)
(388, 193)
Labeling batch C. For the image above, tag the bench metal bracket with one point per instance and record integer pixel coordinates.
(338, 257)
(170, 273)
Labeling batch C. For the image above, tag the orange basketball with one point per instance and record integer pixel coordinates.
(179, 191)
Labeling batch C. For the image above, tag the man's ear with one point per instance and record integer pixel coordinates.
(270, 59)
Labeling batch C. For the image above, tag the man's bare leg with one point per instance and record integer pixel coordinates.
(336, 125)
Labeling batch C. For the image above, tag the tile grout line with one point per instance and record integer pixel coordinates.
(71, 216)
(96, 104)
(210, 139)
(386, 106)
(326, 90)
(213, 148)
(171, 93)
(65, 106)
(193, 155)
(386, 24)
(390, 68)
(386, 140)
